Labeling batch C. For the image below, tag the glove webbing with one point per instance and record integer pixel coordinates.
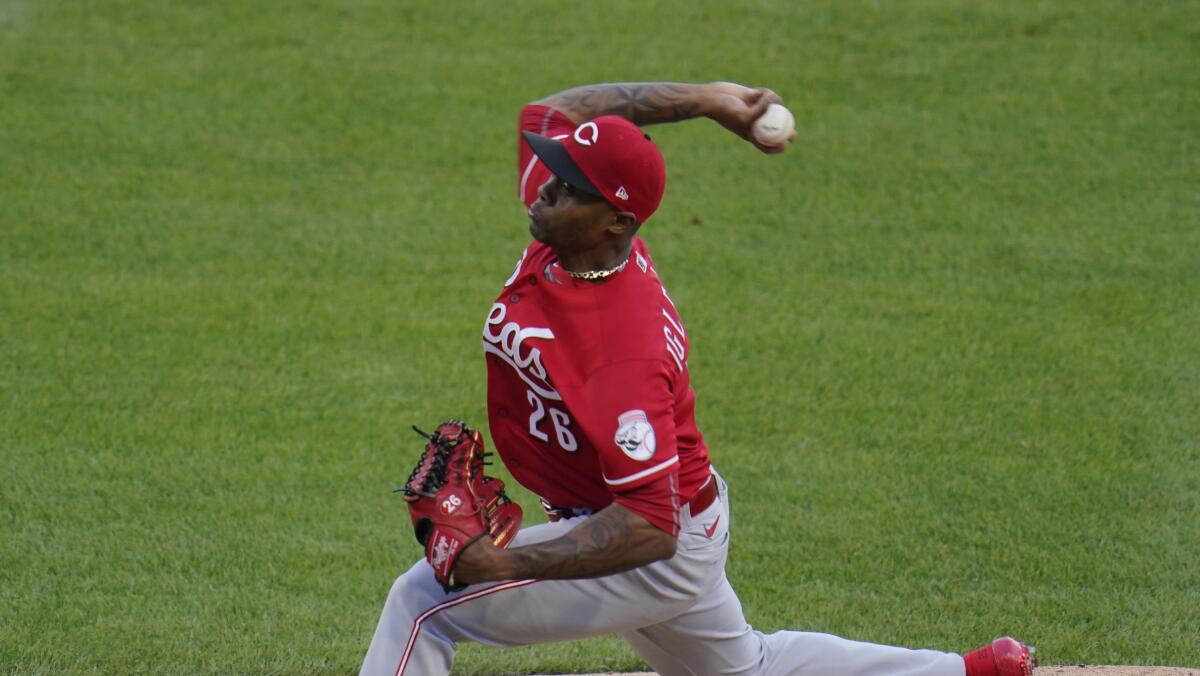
(429, 475)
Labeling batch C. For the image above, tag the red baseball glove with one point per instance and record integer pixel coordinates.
(452, 503)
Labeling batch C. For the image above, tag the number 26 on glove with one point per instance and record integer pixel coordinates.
(452, 503)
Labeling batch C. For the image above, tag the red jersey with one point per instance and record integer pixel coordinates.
(589, 396)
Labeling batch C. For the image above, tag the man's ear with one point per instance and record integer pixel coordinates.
(624, 222)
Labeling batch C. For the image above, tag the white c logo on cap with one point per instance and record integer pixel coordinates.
(587, 141)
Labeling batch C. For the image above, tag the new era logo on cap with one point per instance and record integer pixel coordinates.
(611, 158)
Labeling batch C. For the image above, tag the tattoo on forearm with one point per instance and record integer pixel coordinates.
(606, 543)
(641, 103)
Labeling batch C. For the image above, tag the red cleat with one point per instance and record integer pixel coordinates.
(1002, 657)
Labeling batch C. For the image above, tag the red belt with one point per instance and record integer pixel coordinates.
(704, 497)
(701, 501)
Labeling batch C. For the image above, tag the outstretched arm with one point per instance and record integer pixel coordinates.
(612, 541)
(731, 105)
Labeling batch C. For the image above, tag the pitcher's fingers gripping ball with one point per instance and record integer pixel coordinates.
(775, 127)
(452, 503)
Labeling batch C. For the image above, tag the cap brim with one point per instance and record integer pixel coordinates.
(552, 154)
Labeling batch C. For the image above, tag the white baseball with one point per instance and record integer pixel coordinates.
(773, 127)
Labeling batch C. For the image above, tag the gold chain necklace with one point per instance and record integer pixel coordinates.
(593, 275)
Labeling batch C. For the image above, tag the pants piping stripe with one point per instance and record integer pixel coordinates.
(416, 629)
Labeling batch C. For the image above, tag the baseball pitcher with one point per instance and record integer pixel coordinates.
(590, 406)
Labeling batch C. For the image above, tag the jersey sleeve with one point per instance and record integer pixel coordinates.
(530, 172)
(630, 418)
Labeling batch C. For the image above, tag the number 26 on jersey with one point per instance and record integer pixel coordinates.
(559, 421)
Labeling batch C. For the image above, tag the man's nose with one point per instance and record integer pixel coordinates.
(544, 191)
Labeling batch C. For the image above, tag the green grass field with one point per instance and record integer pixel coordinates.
(946, 349)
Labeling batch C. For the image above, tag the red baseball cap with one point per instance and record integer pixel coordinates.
(611, 158)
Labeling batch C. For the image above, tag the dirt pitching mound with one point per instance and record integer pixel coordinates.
(1069, 670)
(1084, 670)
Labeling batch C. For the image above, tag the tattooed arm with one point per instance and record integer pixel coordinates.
(612, 541)
(639, 102)
(731, 105)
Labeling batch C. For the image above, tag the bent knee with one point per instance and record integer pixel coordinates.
(417, 588)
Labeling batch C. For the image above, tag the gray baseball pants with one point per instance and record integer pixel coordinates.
(680, 615)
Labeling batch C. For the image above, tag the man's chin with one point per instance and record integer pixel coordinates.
(535, 231)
